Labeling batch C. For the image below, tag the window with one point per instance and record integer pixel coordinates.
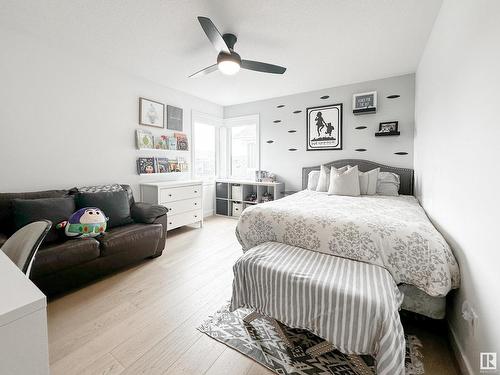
(204, 150)
(243, 146)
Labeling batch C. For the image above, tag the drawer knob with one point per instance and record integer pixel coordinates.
(195, 203)
(170, 222)
(195, 215)
(170, 195)
(196, 191)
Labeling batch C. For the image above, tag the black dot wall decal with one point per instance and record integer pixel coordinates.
(360, 149)
(297, 111)
(270, 141)
(393, 96)
(292, 149)
(292, 131)
(325, 97)
(280, 106)
(360, 127)
(276, 121)
(401, 153)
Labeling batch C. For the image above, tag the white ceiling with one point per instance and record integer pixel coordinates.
(323, 43)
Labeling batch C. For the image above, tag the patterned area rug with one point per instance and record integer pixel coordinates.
(259, 341)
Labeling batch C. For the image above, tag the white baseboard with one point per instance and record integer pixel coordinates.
(463, 362)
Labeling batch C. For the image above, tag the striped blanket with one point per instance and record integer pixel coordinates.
(351, 304)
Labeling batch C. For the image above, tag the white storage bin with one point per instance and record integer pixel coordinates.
(237, 192)
(237, 208)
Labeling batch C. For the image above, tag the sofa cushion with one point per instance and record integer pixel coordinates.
(129, 237)
(115, 206)
(59, 256)
(6, 215)
(54, 209)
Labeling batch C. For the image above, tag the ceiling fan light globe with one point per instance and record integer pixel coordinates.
(228, 67)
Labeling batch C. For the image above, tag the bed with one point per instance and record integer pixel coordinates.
(391, 232)
(385, 239)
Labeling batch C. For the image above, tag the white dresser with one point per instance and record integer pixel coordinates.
(23, 323)
(183, 200)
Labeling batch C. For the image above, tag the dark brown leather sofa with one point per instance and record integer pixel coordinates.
(69, 263)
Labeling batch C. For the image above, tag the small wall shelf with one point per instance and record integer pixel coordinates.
(385, 134)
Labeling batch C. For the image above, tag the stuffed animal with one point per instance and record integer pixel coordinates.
(86, 222)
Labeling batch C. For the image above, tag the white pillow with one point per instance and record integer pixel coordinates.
(324, 177)
(344, 183)
(312, 180)
(388, 184)
(368, 182)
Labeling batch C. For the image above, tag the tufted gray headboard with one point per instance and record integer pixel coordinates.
(405, 174)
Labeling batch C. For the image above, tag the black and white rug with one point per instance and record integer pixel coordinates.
(260, 342)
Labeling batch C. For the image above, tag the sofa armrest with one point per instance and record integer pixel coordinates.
(146, 213)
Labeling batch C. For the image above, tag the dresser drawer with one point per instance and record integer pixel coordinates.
(175, 221)
(184, 205)
(180, 193)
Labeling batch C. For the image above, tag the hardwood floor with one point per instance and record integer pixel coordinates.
(143, 320)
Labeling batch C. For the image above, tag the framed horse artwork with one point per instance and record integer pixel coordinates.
(324, 127)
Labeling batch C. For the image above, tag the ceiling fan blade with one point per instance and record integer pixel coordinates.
(205, 71)
(262, 67)
(213, 35)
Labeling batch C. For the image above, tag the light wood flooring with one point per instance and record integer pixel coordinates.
(143, 320)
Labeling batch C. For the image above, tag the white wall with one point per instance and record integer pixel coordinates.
(276, 158)
(457, 135)
(67, 121)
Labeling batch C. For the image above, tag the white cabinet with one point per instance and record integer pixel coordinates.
(183, 200)
(23, 323)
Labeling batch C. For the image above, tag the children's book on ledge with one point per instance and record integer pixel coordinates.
(149, 165)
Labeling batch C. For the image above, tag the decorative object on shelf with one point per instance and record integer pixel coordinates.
(387, 128)
(393, 96)
(324, 127)
(172, 142)
(146, 165)
(160, 142)
(174, 118)
(252, 197)
(325, 97)
(364, 103)
(267, 197)
(144, 139)
(360, 127)
(162, 165)
(182, 141)
(151, 113)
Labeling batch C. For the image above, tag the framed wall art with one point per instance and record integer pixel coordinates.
(364, 103)
(151, 113)
(324, 127)
(174, 118)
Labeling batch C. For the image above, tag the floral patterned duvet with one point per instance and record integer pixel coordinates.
(392, 232)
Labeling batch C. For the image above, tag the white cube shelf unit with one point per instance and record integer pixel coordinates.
(224, 200)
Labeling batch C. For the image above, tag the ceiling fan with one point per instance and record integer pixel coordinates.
(228, 61)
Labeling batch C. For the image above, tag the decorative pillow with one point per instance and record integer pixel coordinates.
(115, 204)
(388, 184)
(86, 222)
(344, 183)
(54, 209)
(312, 180)
(100, 188)
(324, 177)
(368, 182)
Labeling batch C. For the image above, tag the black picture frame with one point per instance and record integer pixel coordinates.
(391, 125)
(327, 132)
(174, 118)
